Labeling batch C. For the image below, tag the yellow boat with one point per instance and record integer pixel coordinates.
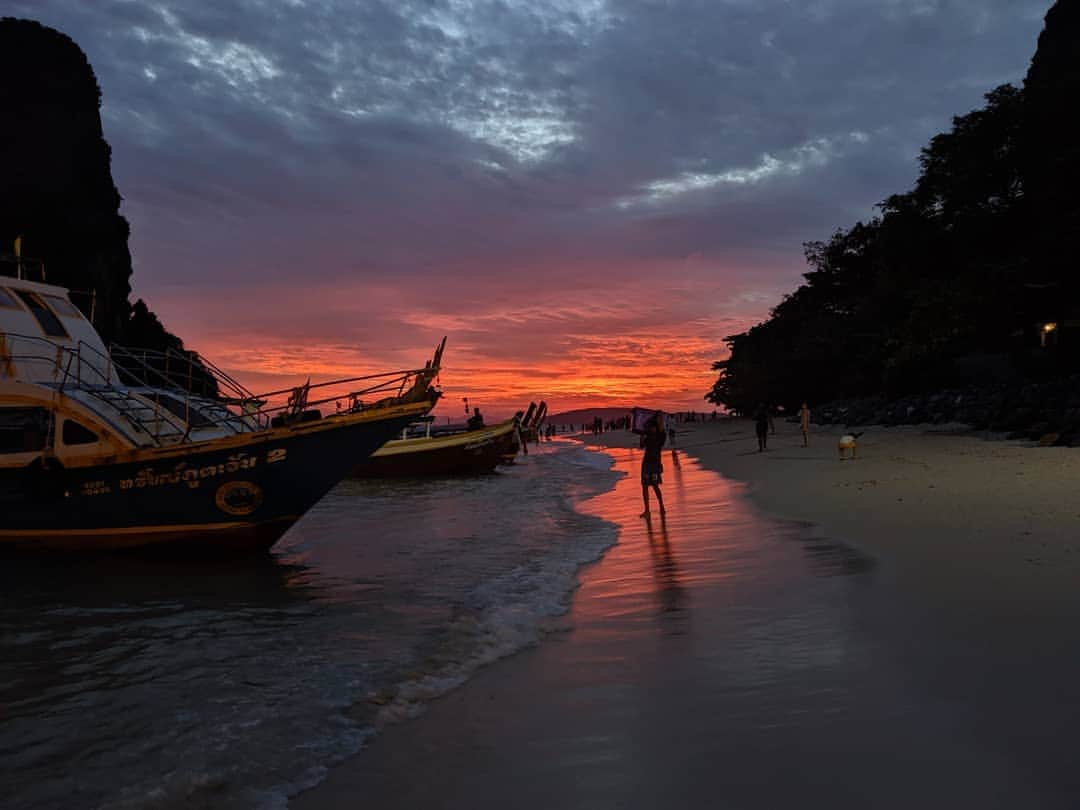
(463, 453)
(104, 450)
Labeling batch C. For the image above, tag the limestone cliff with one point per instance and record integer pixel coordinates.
(58, 191)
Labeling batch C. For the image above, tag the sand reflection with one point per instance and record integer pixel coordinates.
(710, 537)
(720, 658)
(669, 590)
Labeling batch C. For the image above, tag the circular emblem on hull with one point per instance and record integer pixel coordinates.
(239, 497)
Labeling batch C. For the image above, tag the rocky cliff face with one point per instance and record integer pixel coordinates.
(59, 193)
(1052, 146)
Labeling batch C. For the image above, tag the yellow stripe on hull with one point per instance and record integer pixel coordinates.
(426, 443)
(242, 440)
(234, 535)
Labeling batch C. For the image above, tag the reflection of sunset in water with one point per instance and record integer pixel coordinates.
(710, 537)
(741, 595)
(715, 658)
(670, 593)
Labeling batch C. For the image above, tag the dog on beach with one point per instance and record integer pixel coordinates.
(848, 442)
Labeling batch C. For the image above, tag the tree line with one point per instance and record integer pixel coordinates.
(969, 278)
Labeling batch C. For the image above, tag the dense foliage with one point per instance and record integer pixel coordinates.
(949, 284)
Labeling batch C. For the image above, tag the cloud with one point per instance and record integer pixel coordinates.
(552, 181)
(805, 157)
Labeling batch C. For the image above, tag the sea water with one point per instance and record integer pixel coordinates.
(719, 657)
(155, 684)
(706, 655)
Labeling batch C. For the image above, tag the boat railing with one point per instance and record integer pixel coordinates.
(147, 388)
(81, 363)
(179, 370)
(15, 265)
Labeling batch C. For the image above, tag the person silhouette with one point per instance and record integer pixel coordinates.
(804, 424)
(476, 421)
(652, 468)
(761, 427)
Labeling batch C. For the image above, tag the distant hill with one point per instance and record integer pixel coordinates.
(584, 415)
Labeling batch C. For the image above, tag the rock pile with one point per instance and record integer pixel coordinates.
(1033, 411)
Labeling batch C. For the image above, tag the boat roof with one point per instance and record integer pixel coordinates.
(44, 336)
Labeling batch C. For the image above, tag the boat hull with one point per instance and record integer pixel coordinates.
(226, 538)
(228, 496)
(470, 453)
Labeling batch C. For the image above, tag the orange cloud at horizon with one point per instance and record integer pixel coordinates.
(640, 343)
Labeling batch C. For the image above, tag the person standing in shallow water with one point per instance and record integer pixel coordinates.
(761, 427)
(651, 467)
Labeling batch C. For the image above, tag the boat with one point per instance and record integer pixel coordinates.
(531, 423)
(464, 452)
(104, 449)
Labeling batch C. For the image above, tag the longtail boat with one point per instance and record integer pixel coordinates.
(467, 452)
(108, 449)
(530, 425)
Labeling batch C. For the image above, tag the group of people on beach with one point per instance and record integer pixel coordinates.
(764, 425)
(659, 430)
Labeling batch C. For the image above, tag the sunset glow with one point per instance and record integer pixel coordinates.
(539, 404)
(640, 344)
(585, 198)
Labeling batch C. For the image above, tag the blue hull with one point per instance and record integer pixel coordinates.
(231, 495)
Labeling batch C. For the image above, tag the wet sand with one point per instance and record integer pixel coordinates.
(723, 658)
(960, 516)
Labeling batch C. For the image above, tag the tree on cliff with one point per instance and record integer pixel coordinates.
(59, 194)
(947, 271)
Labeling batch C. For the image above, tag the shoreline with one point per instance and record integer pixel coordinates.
(1003, 511)
(964, 613)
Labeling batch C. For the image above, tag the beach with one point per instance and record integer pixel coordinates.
(963, 516)
(1005, 509)
(893, 631)
(261, 550)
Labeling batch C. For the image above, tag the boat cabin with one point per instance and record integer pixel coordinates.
(67, 398)
(38, 324)
(63, 395)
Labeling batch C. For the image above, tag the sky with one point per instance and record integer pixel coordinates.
(585, 196)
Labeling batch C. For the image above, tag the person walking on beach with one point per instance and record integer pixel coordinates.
(761, 427)
(804, 424)
(651, 467)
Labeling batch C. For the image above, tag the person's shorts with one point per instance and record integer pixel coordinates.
(651, 475)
